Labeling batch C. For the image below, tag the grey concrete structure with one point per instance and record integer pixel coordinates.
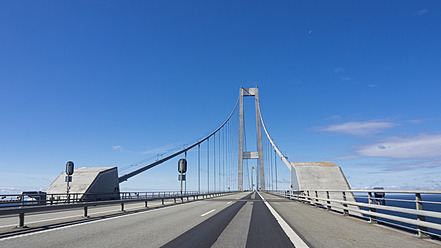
(323, 176)
(95, 183)
(250, 155)
(240, 162)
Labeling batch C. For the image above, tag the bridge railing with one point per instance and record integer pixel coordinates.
(41, 198)
(21, 207)
(405, 209)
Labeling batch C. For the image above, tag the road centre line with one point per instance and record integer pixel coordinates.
(209, 212)
(295, 239)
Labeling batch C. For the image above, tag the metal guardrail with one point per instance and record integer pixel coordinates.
(41, 198)
(126, 197)
(392, 207)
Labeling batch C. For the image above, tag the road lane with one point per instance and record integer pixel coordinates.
(321, 228)
(246, 223)
(206, 233)
(264, 230)
(293, 236)
(45, 218)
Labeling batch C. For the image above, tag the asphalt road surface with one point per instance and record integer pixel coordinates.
(237, 220)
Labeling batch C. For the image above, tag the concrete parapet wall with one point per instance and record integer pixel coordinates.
(100, 181)
(320, 177)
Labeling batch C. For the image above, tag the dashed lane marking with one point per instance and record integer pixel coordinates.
(209, 212)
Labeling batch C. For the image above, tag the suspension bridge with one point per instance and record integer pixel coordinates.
(238, 202)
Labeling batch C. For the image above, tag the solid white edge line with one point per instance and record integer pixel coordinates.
(295, 239)
(229, 202)
(209, 212)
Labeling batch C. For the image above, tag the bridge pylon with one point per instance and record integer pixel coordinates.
(245, 92)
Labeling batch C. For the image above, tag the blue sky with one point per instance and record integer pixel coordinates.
(109, 83)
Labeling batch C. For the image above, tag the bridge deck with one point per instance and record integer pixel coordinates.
(320, 228)
(240, 220)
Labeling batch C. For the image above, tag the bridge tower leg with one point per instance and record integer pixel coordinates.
(255, 154)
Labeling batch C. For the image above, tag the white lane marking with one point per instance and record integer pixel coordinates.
(229, 202)
(91, 222)
(209, 212)
(295, 239)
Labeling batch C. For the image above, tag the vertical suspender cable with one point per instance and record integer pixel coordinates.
(228, 157)
(272, 172)
(185, 190)
(199, 168)
(275, 165)
(208, 165)
(214, 162)
(227, 174)
(270, 167)
(219, 162)
(225, 153)
(222, 160)
(265, 163)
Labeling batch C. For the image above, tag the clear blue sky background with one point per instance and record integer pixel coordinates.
(108, 83)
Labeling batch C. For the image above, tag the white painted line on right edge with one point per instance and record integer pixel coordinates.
(295, 239)
(228, 203)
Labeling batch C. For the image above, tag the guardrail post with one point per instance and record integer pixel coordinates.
(122, 206)
(345, 211)
(85, 212)
(316, 199)
(162, 201)
(422, 231)
(21, 219)
(174, 198)
(372, 219)
(328, 205)
(146, 204)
